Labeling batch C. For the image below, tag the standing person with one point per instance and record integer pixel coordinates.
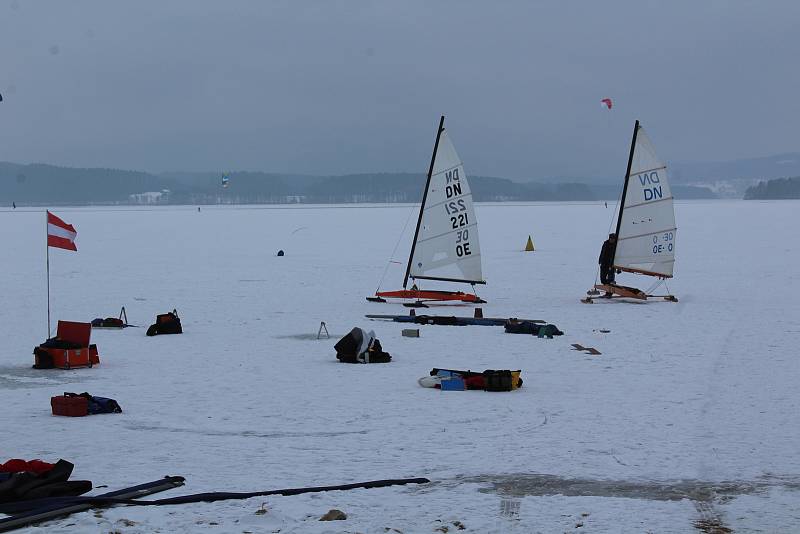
(606, 260)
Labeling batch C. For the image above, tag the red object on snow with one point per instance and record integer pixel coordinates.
(607, 103)
(475, 381)
(65, 358)
(72, 406)
(84, 356)
(60, 234)
(15, 465)
(73, 332)
(430, 294)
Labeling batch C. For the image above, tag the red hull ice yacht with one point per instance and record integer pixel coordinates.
(446, 247)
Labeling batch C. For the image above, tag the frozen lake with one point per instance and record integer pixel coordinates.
(690, 414)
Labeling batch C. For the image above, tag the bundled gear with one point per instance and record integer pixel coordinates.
(16, 465)
(79, 405)
(108, 322)
(516, 326)
(498, 380)
(166, 323)
(38, 483)
(116, 323)
(488, 380)
(360, 346)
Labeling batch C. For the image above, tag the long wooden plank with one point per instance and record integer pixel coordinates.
(623, 291)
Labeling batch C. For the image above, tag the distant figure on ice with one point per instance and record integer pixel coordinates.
(13, 205)
(280, 253)
(606, 203)
(198, 209)
(606, 260)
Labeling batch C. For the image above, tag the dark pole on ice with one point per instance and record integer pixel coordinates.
(625, 189)
(47, 248)
(424, 198)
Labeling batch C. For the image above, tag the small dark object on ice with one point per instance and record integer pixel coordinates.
(711, 526)
(522, 326)
(334, 515)
(166, 323)
(281, 253)
(588, 350)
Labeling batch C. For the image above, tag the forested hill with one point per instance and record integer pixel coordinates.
(780, 188)
(32, 184)
(39, 184)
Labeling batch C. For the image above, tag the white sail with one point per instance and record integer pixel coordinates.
(447, 245)
(646, 241)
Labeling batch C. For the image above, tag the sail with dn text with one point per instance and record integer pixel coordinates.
(448, 247)
(647, 231)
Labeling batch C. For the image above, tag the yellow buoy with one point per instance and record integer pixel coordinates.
(529, 245)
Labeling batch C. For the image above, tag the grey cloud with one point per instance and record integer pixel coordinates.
(334, 87)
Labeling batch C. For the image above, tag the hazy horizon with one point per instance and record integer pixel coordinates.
(328, 88)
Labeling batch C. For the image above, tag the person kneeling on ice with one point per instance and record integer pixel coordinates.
(606, 260)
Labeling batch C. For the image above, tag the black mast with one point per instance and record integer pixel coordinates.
(424, 197)
(625, 188)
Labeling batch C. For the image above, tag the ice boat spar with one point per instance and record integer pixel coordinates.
(445, 246)
(645, 235)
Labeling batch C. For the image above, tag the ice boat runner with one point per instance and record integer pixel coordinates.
(644, 241)
(445, 246)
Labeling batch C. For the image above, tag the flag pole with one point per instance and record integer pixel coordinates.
(47, 248)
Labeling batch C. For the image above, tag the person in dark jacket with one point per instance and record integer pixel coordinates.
(606, 260)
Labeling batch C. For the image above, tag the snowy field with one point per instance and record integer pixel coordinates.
(688, 419)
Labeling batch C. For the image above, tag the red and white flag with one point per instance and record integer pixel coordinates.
(60, 234)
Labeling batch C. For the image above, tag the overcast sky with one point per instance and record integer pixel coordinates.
(329, 87)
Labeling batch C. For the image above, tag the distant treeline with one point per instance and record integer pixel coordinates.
(780, 188)
(46, 184)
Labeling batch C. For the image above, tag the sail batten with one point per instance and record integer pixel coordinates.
(422, 240)
(647, 234)
(448, 169)
(431, 206)
(650, 202)
(640, 271)
(663, 167)
(447, 245)
(440, 279)
(647, 231)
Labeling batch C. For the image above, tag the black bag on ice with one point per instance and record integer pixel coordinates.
(497, 380)
(166, 323)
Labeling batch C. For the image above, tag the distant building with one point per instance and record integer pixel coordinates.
(150, 197)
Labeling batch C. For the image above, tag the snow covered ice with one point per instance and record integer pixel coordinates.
(689, 415)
